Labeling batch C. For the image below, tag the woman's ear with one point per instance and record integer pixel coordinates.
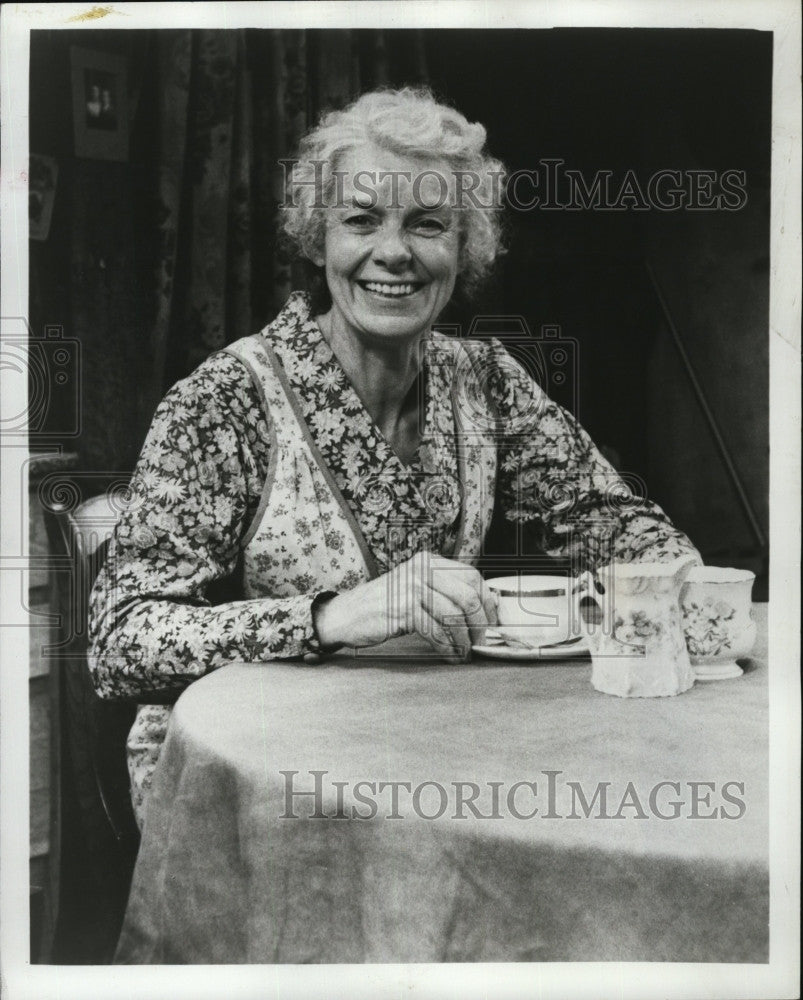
(315, 280)
(318, 253)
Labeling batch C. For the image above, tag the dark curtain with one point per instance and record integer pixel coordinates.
(231, 105)
(176, 252)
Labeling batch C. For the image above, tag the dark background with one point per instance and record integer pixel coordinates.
(639, 99)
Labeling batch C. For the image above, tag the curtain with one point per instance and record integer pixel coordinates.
(231, 105)
(175, 253)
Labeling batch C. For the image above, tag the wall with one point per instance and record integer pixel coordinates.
(643, 100)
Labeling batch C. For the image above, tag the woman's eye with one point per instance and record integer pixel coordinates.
(429, 226)
(359, 221)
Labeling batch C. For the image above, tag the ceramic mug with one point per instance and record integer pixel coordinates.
(715, 603)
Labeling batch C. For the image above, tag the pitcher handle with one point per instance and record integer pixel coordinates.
(683, 565)
(585, 589)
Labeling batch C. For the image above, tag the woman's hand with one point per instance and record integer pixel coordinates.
(444, 601)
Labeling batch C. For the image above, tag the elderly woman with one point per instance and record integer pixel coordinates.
(341, 467)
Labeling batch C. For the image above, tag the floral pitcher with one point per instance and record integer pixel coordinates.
(634, 628)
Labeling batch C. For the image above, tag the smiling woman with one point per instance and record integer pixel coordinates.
(339, 470)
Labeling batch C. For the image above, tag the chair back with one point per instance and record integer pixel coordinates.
(93, 829)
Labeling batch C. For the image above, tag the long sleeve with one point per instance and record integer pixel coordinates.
(552, 476)
(195, 488)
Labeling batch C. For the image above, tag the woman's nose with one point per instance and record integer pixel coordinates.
(391, 248)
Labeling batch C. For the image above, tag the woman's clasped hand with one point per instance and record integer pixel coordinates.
(443, 601)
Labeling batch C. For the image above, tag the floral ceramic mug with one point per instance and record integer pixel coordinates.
(715, 603)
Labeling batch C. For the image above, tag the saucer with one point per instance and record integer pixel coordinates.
(498, 649)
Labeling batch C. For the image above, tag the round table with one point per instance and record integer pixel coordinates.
(535, 819)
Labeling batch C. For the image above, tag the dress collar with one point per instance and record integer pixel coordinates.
(381, 489)
(308, 359)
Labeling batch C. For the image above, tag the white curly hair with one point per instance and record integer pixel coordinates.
(409, 122)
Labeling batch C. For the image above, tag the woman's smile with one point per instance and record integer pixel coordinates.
(384, 289)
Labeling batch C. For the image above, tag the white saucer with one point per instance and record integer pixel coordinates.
(498, 649)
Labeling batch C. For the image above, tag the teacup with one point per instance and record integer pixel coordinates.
(534, 610)
(715, 603)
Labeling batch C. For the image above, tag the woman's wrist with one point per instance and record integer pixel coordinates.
(324, 623)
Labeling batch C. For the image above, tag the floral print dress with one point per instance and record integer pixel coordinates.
(264, 470)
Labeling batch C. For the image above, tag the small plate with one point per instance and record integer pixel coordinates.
(498, 649)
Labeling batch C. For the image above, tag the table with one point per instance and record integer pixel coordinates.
(225, 874)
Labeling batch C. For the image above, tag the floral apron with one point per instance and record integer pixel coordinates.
(305, 538)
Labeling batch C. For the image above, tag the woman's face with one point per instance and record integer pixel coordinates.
(391, 253)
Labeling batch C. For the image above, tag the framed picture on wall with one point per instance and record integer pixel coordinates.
(100, 104)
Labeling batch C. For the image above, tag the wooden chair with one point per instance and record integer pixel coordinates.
(94, 837)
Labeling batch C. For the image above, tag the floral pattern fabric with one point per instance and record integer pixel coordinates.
(198, 499)
(400, 508)
(304, 536)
